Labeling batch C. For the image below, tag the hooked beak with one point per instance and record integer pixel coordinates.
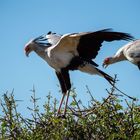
(27, 53)
(104, 65)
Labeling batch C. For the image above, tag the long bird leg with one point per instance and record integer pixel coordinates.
(65, 84)
(66, 77)
(63, 88)
(65, 109)
(60, 104)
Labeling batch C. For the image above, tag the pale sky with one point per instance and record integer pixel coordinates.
(23, 20)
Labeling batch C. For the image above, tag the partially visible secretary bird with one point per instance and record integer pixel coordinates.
(73, 51)
(129, 52)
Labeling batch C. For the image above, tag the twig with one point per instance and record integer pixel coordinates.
(110, 95)
(113, 85)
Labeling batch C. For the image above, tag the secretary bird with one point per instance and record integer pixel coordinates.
(129, 52)
(73, 51)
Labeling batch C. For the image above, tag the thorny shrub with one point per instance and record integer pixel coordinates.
(101, 120)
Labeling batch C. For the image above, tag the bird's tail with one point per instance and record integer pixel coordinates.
(107, 77)
(89, 68)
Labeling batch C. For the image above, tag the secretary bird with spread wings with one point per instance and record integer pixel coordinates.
(73, 51)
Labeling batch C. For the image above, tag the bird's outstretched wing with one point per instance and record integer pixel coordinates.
(88, 43)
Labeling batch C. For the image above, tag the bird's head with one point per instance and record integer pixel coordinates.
(29, 47)
(107, 61)
(34, 43)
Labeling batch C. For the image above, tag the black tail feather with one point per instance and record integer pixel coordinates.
(107, 77)
(112, 82)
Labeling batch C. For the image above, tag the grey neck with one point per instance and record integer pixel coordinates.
(41, 50)
(118, 59)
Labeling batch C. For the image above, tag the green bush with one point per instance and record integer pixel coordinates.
(101, 120)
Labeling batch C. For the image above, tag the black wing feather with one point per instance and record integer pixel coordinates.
(89, 44)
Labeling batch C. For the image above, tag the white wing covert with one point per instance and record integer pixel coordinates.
(53, 38)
